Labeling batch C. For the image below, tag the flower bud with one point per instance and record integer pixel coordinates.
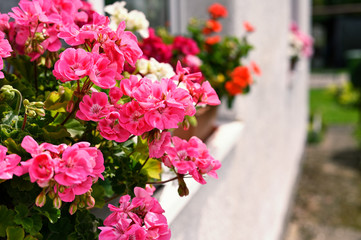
(186, 124)
(30, 113)
(40, 112)
(182, 189)
(38, 104)
(61, 188)
(81, 204)
(73, 208)
(70, 106)
(51, 194)
(57, 202)
(40, 199)
(26, 102)
(90, 202)
(7, 93)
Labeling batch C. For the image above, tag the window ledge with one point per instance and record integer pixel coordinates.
(220, 143)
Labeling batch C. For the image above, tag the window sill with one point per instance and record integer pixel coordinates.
(220, 143)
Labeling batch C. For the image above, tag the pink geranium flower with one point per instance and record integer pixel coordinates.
(204, 94)
(101, 74)
(93, 108)
(131, 117)
(73, 64)
(110, 128)
(191, 157)
(157, 147)
(9, 164)
(41, 168)
(139, 218)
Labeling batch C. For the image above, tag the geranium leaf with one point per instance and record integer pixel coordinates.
(153, 168)
(57, 101)
(15, 233)
(6, 219)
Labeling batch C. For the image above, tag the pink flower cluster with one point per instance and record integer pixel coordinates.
(5, 51)
(70, 170)
(161, 105)
(305, 39)
(115, 49)
(190, 157)
(9, 164)
(38, 23)
(140, 218)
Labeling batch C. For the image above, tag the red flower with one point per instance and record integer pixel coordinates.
(213, 40)
(217, 11)
(233, 89)
(212, 26)
(241, 76)
(248, 26)
(184, 45)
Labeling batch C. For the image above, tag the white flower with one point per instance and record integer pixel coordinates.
(142, 65)
(165, 70)
(154, 70)
(138, 22)
(116, 9)
(134, 20)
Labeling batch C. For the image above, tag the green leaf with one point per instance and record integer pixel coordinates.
(75, 128)
(53, 214)
(52, 133)
(61, 230)
(15, 233)
(6, 219)
(152, 168)
(57, 101)
(29, 237)
(86, 225)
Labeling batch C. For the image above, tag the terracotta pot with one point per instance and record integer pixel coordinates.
(206, 119)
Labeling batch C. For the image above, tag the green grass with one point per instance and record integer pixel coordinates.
(332, 112)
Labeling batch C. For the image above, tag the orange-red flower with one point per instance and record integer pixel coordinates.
(232, 88)
(248, 26)
(212, 26)
(217, 11)
(213, 40)
(241, 76)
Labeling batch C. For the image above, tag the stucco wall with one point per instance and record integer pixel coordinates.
(252, 195)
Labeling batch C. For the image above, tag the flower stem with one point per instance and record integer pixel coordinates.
(24, 122)
(162, 182)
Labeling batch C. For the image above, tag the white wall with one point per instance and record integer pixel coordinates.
(251, 197)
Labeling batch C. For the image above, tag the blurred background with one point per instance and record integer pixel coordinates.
(293, 172)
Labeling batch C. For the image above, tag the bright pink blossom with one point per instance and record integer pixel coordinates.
(141, 218)
(191, 157)
(110, 128)
(73, 64)
(131, 118)
(204, 94)
(4, 22)
(72, 168)
(101, 74)
(9, 164)
(158, 146)
(93, 108)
